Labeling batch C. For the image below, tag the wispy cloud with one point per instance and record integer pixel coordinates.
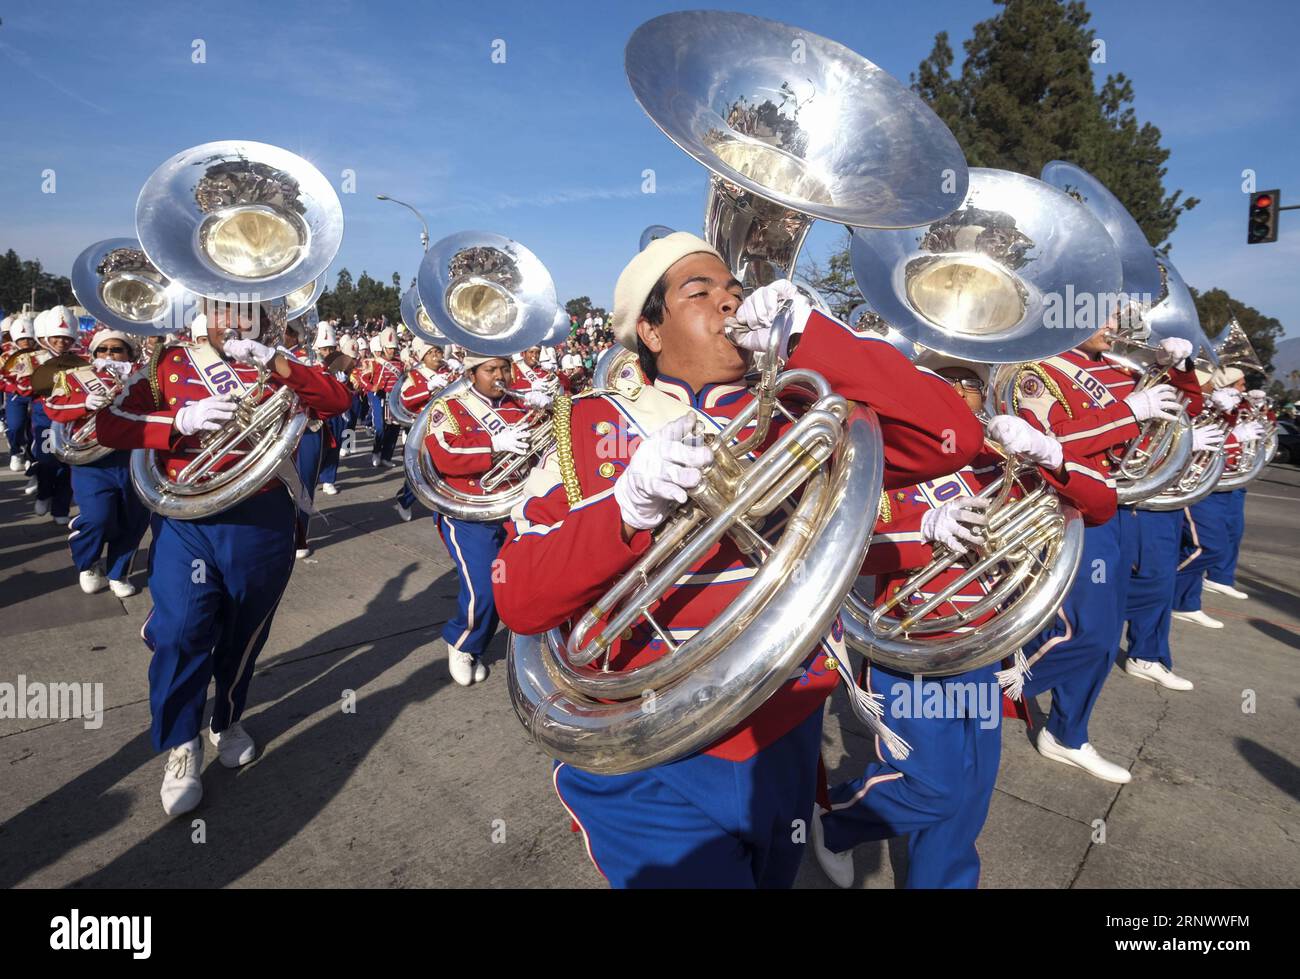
(558, 198)
(26, 63)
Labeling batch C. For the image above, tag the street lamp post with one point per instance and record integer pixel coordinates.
(424, 233)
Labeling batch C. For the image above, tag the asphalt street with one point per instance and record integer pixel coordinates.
(426, 784)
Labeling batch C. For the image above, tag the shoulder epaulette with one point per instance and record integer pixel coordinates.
(1048, 381)
(562, 429)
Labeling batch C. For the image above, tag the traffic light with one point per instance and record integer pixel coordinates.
(1262, 225)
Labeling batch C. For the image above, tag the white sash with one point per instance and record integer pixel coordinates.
(482, 412)
(529, 374)
(220, 377)
(1088, 384)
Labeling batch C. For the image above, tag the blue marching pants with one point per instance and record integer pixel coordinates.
(473, 546)
(53, 478)
(329, 466)
(1073, 656)
(109, 514)
(940, 793)
(1151, 589)
(385, 435)
(308, 460)
(1211, 540)
(215, 583)
(406, 495)
(701, 821)
(18, 424)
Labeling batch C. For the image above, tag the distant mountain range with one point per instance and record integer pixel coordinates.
(1286, 358)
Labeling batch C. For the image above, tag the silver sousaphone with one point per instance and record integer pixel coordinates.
(787, 140)
(254, 227)
(1154, 305)
(492, 296)
(118, 285)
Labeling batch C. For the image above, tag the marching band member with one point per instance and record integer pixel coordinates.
(110, 515)
(466, 433)
(19, 364)
(527, 373)
(379, 378)
(57, 331)
(215, 580)
(1150, 600)
(939, 794)
(327, 347)
(428, 376)
(317, 439)
(724, 816)
(1081, 399)
(349, 347)
(1213, 529)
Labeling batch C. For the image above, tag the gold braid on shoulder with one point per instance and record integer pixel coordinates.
(155, 361)
(562, 429)
(1041, 373)
(883, 510)
(442, 405)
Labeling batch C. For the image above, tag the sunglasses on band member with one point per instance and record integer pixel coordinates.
(112, 350)
(967, 383)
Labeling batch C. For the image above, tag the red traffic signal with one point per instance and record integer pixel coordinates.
(1262, 222)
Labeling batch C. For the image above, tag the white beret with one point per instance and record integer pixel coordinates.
(388, 337)
(1227, 376)
(132, 343)
(348, 345)
(470, 361)
(935, 361)
(640, 275)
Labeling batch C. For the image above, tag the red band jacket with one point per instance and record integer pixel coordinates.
(460, 441)
(564, 545)
(143, 416)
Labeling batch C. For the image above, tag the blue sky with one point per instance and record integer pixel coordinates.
(549, 147)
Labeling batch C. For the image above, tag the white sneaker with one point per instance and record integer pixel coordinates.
(461, 665)
(403, 512)
(328, 489)
(1223, 589)
(838, 867)
(1084, 757)
(123, 589)
(1199, 618)
(181, 787)
(388, 463)
(1156, 672)
(92, 580)
(62, 521)
(301, 553)
(234, 746)
(15, 463)
(33, 484)
(43, 507)
(480, 671)
(374, 460)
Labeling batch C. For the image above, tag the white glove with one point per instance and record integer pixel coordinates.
(760, 309)
(1225, 399)
(95, 401)
(1207, 437)
(1248, 432)
(1021, 438)
(249, 351)
(951, 523)
(1159, 401)
(537, 399)
(119, 367)
(663, 467)
(1173, 350)
(1257, 397)
(204, 416)
(511, 439)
